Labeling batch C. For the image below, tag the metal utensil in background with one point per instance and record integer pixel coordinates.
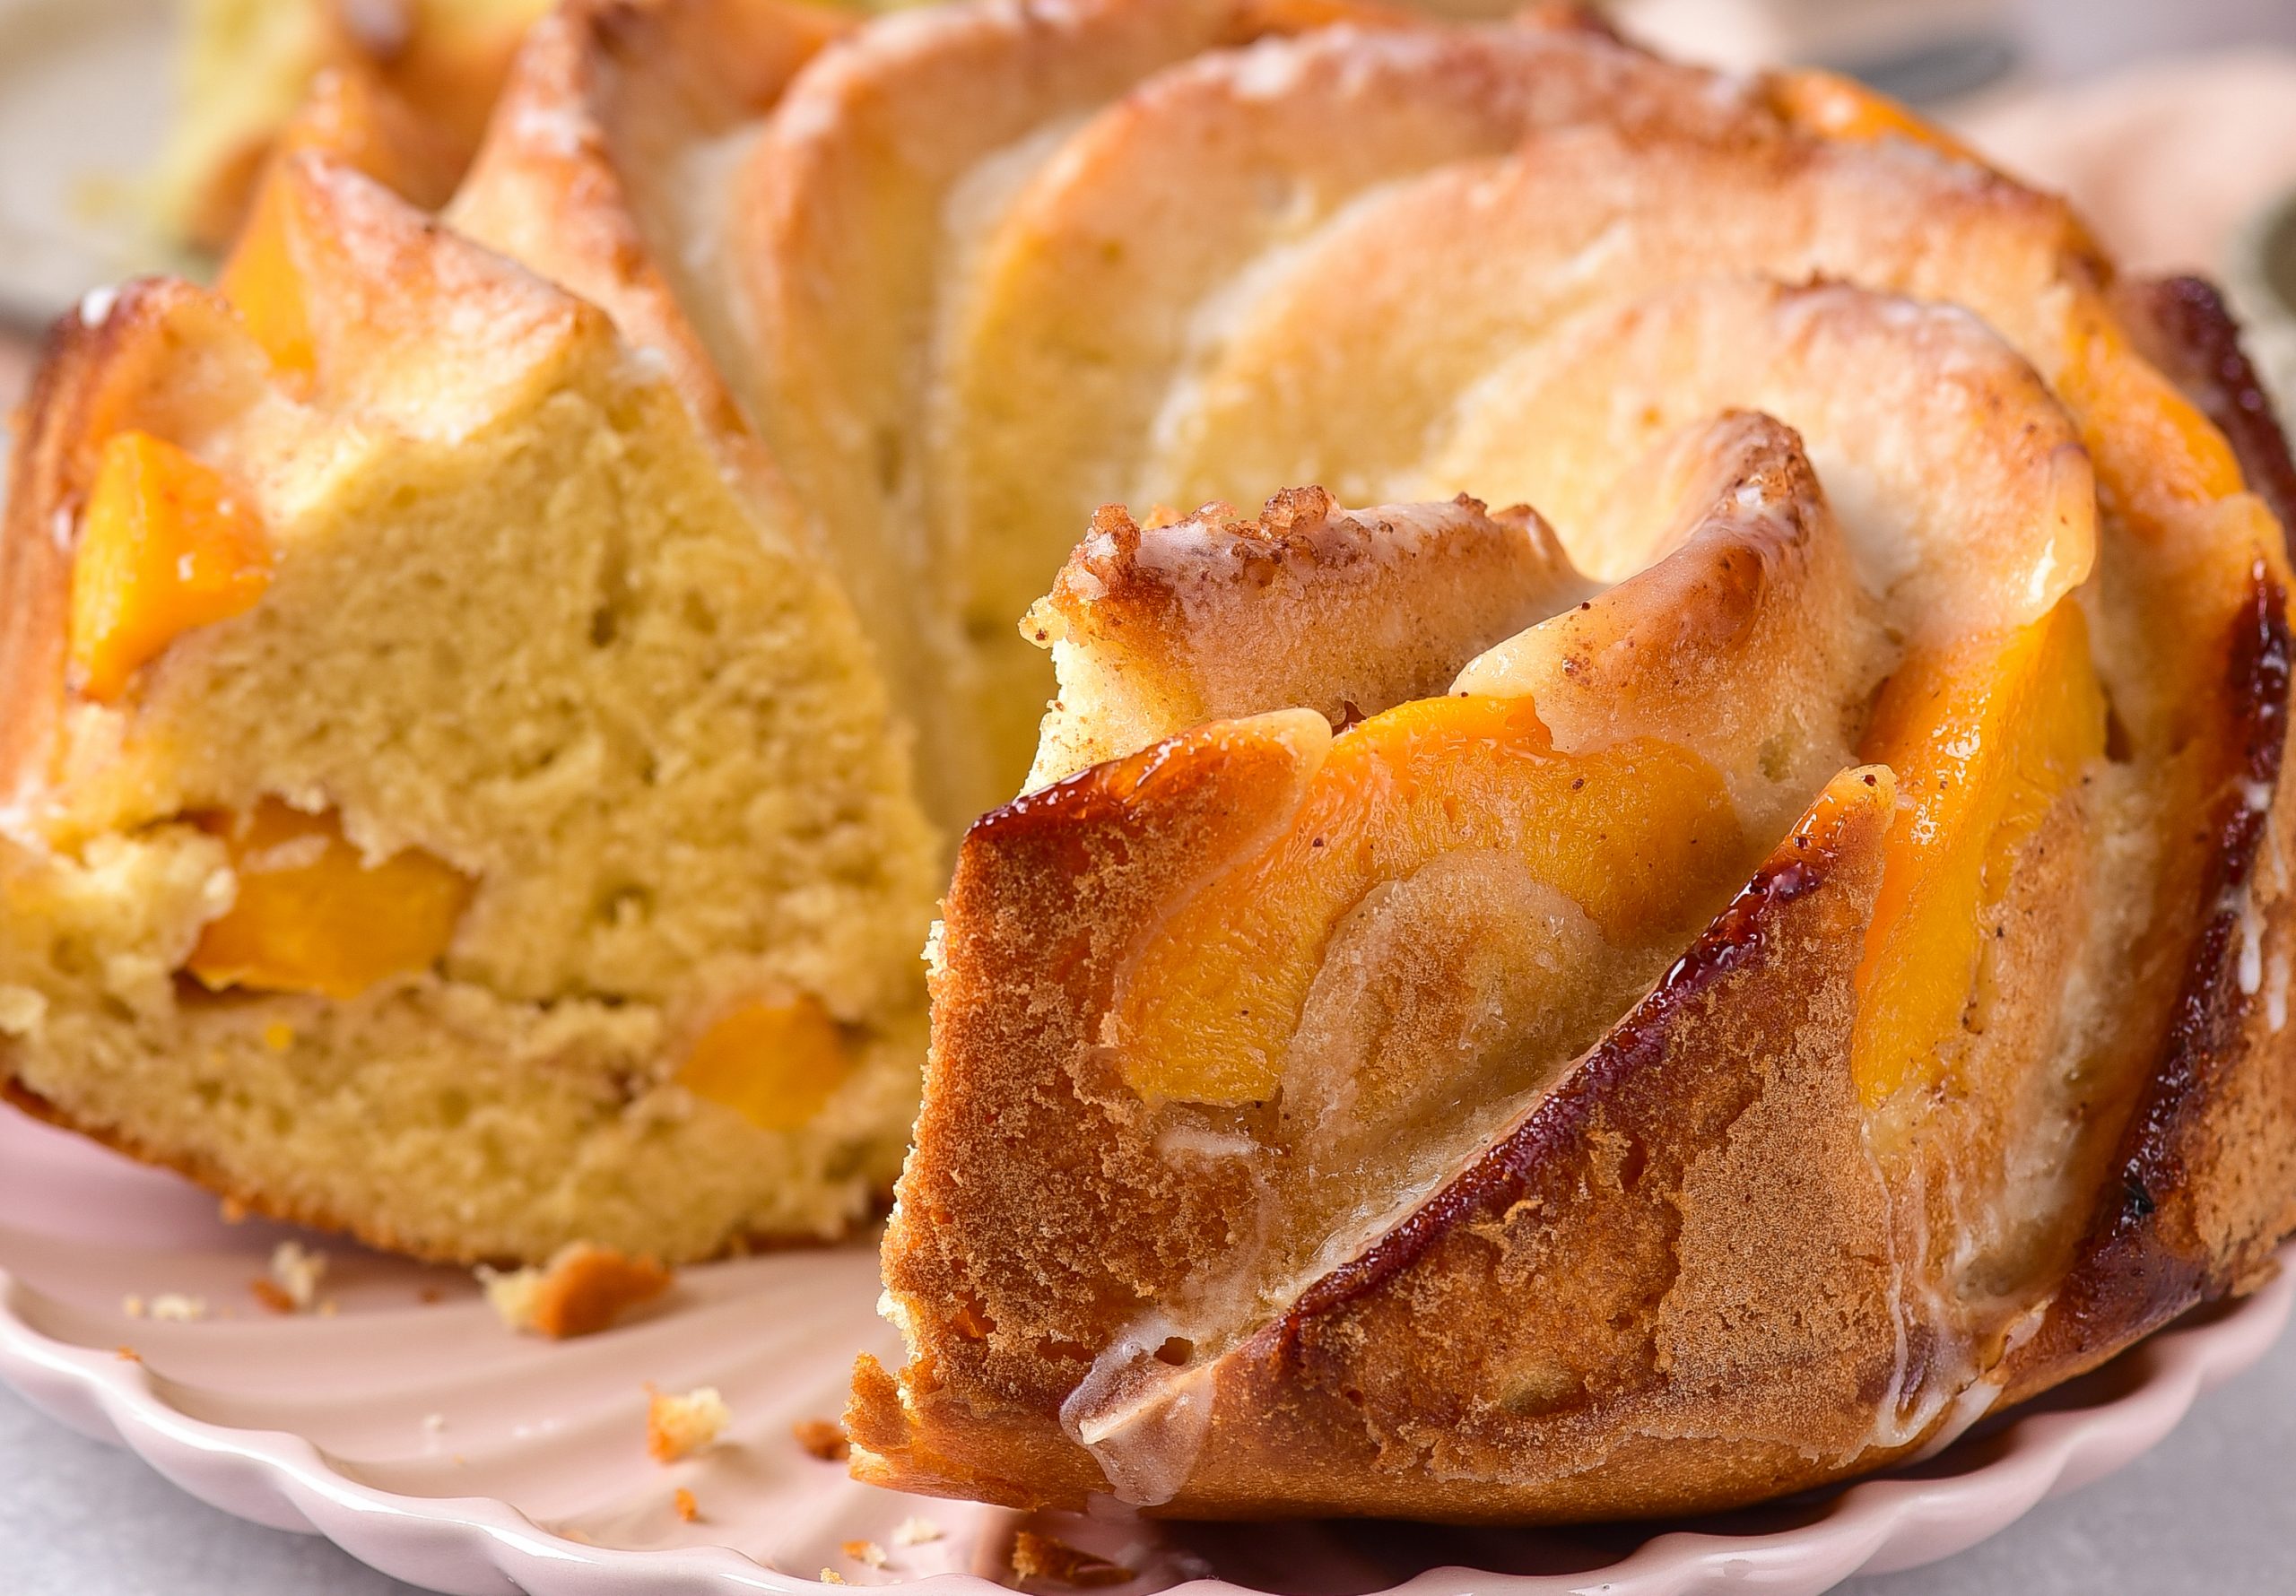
(2260, 282)
(1921, 51)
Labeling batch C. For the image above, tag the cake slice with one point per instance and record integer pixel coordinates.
(444, 802)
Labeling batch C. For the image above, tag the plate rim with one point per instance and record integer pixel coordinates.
(479, 1546)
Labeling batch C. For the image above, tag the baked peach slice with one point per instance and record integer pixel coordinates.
(310, 914)
(166, 546)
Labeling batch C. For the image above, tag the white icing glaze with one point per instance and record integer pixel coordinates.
(1143, 1421)
(2251, 960)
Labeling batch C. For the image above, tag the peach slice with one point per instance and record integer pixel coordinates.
(775, 1063)
(261, 280)
(313, 915)
(1834, 107)
(165, 545)
(1641, 836)
(1984, 736)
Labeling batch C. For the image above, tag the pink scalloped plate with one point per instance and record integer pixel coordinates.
(403, 1423)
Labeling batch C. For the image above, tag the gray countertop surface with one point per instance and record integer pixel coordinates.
(2211, 1509)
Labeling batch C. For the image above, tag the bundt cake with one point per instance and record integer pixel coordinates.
(1732, 921)
(1633, 1006)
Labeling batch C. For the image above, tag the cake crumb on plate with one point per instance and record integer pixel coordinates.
(297, 1271)
(584, 1288)
(823, 1437)
(677, 1427)
(1040, 1556)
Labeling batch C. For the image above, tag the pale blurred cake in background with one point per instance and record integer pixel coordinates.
(247, 63)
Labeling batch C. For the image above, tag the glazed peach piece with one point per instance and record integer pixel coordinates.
(1641, 838)
(166, 545)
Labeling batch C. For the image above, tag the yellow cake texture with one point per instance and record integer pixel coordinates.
(521, 850)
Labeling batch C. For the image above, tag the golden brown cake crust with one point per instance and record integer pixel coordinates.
(84, 370)
(576, 162)
(1694, 1274)
(1166, 627)
(1479, 1361)
(2202, 1188)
